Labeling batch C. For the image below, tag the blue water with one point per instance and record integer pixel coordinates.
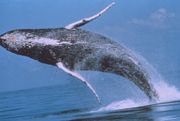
(68, 102)
(31, 91)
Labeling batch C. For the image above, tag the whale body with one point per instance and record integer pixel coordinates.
(71, 49)
(78, 49)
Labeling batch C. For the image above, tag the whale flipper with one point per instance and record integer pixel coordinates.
(78, 76)
(89, 19)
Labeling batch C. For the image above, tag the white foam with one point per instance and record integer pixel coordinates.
(166, 91)
(128, 103)
(123, 104)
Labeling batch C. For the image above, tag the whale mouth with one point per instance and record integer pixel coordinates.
(1, 40)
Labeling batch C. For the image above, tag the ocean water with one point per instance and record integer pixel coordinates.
(69, 102)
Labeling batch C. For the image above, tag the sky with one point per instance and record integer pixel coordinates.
(151, 28)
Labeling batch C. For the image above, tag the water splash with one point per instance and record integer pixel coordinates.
(165, 91)
(127, 103)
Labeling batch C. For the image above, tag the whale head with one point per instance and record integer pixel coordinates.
(18, 39)
(25, 42)
(10, 40)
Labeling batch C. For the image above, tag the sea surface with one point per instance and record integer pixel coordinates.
(68, 102)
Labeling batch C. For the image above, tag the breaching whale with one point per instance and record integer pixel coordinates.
(71, 49)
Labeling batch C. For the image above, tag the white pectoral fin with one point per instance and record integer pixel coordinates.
(89, 19)
(78, 76)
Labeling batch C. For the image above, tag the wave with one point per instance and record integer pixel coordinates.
(127, 103)
(166, 93)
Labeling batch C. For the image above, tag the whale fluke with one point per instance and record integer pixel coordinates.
(89, 19)
(78, 76)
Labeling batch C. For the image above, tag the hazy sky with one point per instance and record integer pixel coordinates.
(150, 27)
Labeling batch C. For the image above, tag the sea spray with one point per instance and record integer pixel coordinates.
(127, 103)
(165, 91)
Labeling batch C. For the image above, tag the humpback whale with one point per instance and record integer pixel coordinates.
(71, 48)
